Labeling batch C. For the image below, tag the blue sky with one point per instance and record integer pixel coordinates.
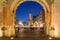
(23, 10)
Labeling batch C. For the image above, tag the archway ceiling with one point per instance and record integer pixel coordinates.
(11, 1)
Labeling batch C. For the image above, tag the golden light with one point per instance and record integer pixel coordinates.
(56, 31)
(50, 38)
(20, 22)
(12, 38)
(1, 33)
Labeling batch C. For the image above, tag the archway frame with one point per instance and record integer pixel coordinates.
(45, 6)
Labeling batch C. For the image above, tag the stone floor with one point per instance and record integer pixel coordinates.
(25, 34)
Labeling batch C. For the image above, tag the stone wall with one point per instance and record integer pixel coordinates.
(56, 17)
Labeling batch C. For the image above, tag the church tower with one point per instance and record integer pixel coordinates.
(30, 22)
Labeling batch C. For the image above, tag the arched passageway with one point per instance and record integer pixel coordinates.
(30, 15)
(46, 10)
(12, 15)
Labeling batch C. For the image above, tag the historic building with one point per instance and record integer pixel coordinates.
(6, 19)
(40, 18)
(30, 20)
(8, 10)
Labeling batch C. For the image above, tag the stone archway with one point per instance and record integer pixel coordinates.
(10, 23)
(45, 6)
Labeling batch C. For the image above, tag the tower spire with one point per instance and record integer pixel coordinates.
(30, 22)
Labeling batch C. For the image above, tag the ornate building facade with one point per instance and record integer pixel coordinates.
(30, 21)
(40, 18)
(6, 19)
(8, 15)
(8, 10)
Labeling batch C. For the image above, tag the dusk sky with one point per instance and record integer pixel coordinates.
(23, 10)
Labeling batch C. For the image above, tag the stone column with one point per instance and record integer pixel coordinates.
(1, 22)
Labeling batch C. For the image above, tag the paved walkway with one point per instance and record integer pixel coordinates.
(25, 34)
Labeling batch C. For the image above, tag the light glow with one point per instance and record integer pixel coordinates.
(56, 31)
(1, 33)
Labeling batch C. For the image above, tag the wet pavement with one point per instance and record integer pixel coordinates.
(28, 34)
